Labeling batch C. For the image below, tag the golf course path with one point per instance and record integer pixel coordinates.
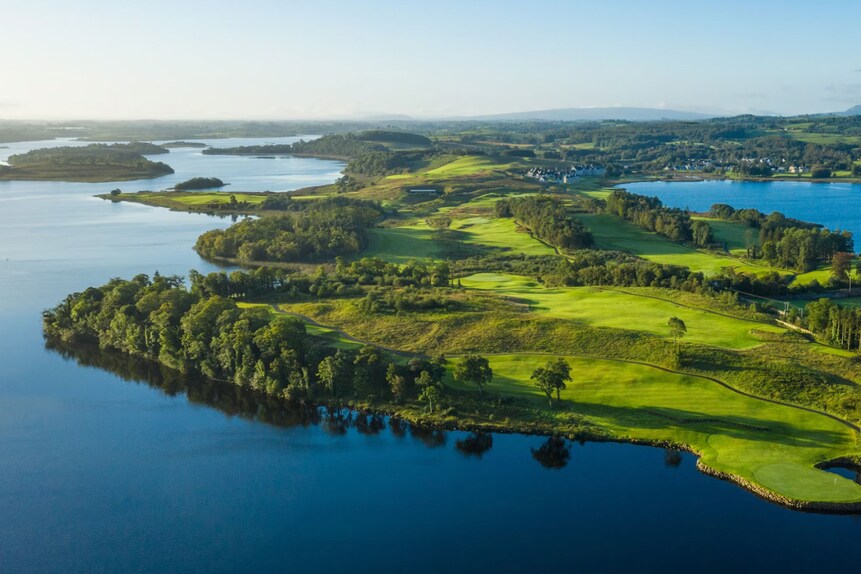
(723, 384)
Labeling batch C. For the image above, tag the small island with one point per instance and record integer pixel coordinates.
(199, 183)
(184, 144)
(93, 163)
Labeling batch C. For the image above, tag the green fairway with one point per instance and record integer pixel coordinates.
(622, 310)
(771, 445)
(500, 234)
(611, 232)
(468, 165)
(400, 244)
(730, 233)
(416, 240)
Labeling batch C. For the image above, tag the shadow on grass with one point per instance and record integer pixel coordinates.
(734, 426)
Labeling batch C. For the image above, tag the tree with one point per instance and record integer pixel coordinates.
(551, 377)
(563, 371)
(545, 380)
(677, 330)
(820, 172)
(369, 370)
(424, 379)
(841, 263)
(702, 233)
(750, 243)
(334, 373)
(398, 383)
(432, 396)
(475, 370)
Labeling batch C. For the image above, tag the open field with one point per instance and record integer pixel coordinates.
(631, 308)
(770, 445)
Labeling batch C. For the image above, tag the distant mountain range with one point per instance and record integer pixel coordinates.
(590, 115)
(596, 114)
(853, 111)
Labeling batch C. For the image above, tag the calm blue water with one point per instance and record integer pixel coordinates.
(835, 205)
(115, 470)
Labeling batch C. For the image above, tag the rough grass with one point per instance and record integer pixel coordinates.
(631, 308)
(771, 445)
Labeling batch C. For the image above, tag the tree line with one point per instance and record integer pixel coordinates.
(841, 326)
(786, 242)
(347, 279)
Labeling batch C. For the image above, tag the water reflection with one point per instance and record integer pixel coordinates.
(476, 444)
(553, 454)
(249, 404)
(672, 458)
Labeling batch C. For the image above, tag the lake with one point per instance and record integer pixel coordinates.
(113, 466)
(834, 205)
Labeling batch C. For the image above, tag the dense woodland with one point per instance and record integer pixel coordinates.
(195, 332)
(92, 156)
(314, 231)
(549, 219)
(199, 183)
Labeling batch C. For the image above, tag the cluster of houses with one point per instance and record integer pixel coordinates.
(691, 165)
(707, 164)
(563, 175)
(781, 166)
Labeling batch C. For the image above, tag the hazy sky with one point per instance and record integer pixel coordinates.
(292, 58)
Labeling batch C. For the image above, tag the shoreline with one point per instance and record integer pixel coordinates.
(700, 178)
(588, 433)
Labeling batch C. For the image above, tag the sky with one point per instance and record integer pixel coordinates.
(325, 59)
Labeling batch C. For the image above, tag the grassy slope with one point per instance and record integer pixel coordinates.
(627, 309)
(772, 445)
(469, 165)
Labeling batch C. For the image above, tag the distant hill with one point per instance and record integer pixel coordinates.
(597, 114)
(853, 111)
